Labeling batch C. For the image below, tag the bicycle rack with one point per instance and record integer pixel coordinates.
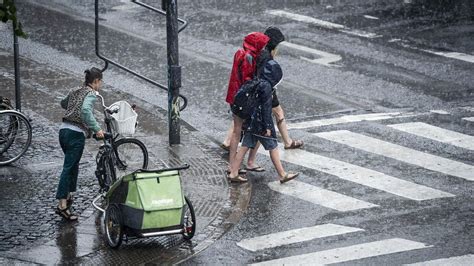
(108, 60)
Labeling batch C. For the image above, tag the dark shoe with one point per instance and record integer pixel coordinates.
(66, 214)
(295, 144)
(288, 177)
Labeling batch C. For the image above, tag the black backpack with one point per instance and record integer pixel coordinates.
(246, 99)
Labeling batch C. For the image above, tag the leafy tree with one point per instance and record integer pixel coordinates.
(8, 12)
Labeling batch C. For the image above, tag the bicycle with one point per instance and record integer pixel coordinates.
(15, 133)
(118, 155)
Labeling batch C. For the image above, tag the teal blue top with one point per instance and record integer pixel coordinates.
(87, 114)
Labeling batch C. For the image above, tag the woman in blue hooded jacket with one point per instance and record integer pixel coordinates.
(260, 127)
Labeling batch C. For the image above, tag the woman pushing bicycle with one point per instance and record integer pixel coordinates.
(78, 123)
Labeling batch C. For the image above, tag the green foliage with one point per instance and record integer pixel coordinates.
(8, 12)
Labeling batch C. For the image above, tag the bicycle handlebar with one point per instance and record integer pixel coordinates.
(106, 136)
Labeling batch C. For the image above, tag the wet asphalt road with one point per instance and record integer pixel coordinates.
(384, 59)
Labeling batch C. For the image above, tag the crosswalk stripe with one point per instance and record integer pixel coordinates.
(437, 133)
(346, 119)
(295, 236)
(320, 196)
(470, 119)
(452, 261)
(400, 153)
(360, 175)
(350, 253)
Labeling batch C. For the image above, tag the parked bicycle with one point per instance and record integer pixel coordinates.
(15, 133)
(119, 155)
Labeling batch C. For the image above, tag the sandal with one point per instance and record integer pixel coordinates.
(238, 179)
(66, 214)
(225, 147)
(288, 177)
(241, 172)
(255, 169)
(295, 144)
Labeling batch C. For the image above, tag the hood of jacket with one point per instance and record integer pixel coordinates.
(272, 72)
(254, 42)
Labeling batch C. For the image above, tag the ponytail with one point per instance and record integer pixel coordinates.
(91, 75)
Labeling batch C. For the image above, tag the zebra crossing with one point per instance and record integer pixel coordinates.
(397, 186)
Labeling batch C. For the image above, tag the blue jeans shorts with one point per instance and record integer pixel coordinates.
(250, 140)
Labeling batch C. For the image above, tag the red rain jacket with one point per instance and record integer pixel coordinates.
(245, 62)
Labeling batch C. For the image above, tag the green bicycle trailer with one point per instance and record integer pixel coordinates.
(148, 203)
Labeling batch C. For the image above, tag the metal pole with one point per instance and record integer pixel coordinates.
(17, 71)
(174, 71)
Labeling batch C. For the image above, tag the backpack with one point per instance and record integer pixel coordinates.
(246, 99)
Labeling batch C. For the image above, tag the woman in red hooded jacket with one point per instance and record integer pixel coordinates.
(243, 69)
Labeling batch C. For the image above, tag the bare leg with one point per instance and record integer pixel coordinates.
(62, 203)
(235, 164)
(228, 136)
(234, 141)
(281, 124)
(283, 176)
(253, 156)
(275, 156)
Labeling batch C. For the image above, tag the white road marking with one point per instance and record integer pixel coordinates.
(321, 23)
(361, 33)
(437, 133)
(295, 236)
(455, 55)
(441, 112)
(305, 19)
(401, 153)
(470, 119)
(370, 17)
(360, 175)
(466, 260)
(347, 119)
(324, 57)
(350, 253)
(320, 196)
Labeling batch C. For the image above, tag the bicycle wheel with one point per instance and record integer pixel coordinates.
(15, 136)
(113, 226)
(189, 220)
(131, 155)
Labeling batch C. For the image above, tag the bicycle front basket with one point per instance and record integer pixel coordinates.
(125, 119)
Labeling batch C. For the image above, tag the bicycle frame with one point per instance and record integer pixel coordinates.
(107, 154)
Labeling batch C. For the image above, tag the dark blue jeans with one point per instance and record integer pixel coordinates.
(72, 144)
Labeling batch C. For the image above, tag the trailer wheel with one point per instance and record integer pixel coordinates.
(189, 220)
(113, 226)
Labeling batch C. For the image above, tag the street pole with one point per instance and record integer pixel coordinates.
(174, 70)
(17, 71)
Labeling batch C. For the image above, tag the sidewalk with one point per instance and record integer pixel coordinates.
(32, 233)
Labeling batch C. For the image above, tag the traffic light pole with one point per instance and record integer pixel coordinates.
(16, 64)
(174, 70)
